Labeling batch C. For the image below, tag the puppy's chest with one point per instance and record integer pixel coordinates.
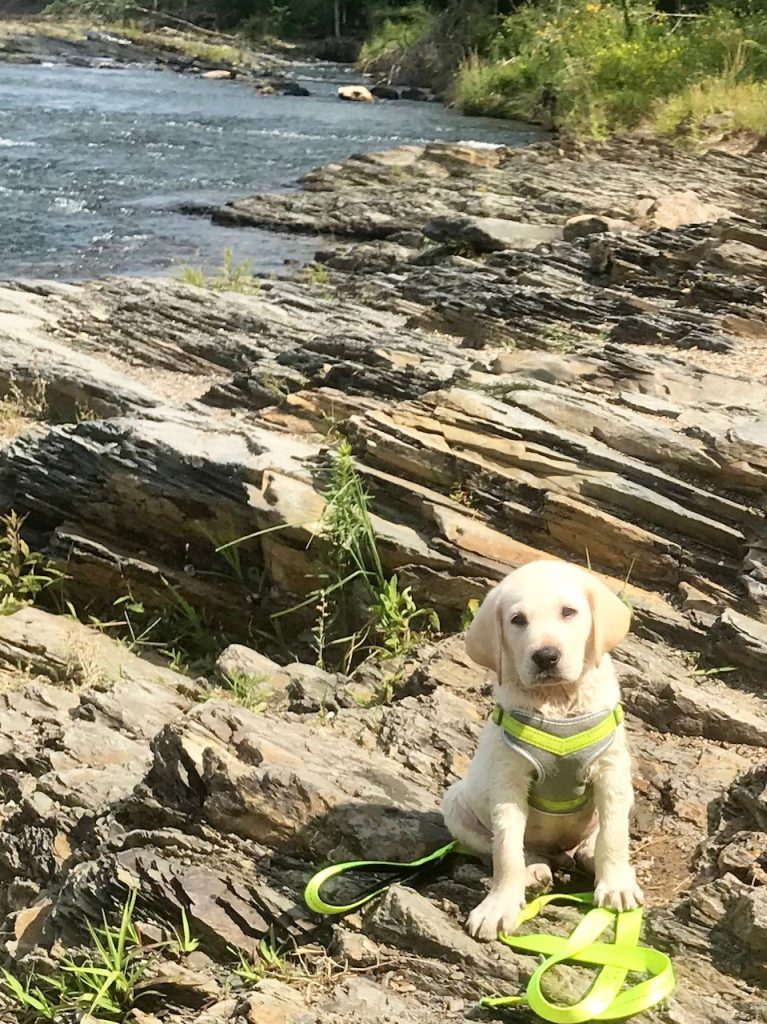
(561, 753)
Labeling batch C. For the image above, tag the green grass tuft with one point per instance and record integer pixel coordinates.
(230, 277)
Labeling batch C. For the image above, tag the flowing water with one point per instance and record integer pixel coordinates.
(93, 162)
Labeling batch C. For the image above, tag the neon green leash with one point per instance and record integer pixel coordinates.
(405, 871)
(607, 999)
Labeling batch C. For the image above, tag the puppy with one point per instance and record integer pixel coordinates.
(529, 796)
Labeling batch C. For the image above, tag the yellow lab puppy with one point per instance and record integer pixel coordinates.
(552, 773)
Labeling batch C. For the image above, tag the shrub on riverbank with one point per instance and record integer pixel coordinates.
(424, 43)
(594, 67)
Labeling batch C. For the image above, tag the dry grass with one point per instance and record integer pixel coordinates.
(21, 406)
(189, 46)
(72, 30)
(12, 678)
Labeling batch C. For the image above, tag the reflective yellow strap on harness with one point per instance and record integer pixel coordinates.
(559, 806)
(559, 745)
(606, 999)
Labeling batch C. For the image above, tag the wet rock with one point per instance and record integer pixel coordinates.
(281, 86)
(412, 93)
(355, 93)
(384, 92)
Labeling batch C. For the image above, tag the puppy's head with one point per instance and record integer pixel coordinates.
(546, 624)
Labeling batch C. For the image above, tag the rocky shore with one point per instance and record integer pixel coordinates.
(538, 350)
(77, 44)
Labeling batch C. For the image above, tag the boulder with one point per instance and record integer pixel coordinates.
(675, 209)
(413, 93)
(282, 86)
(218, 74)
(384, 92)
(585, 224)
(355, 93)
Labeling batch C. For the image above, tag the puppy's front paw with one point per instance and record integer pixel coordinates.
(618, 889)
(538, 877)
(497, 913)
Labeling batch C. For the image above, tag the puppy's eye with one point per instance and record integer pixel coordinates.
(568, 613)
(519, 619)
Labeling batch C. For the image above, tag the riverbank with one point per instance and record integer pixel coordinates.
(587, 69)
(533, 351)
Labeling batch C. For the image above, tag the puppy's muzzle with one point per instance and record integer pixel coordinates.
(546, 661)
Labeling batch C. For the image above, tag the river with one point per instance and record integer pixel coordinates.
(93, 162)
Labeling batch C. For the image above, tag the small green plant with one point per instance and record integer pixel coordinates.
(31, 402)
(707, 673)
(194, 276)
(183, 942)
(191, 629)
(558, 338)
(396, 615)
(248, 691)
(319, 630)
(231, 276)
(28, 997)
(139, 635)
(623, 594)
(102, 984)
(176, 631)
(470, 613)
(316, 275)
(266, 960)
(105, 983)
(462, 495)
(24, 574)
(696, 662)
(366, 602)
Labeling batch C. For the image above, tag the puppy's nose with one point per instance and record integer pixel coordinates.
(546, 657)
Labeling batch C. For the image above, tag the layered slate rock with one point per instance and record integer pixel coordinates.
(598, 399)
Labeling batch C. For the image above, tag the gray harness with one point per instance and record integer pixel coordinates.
(561, 750)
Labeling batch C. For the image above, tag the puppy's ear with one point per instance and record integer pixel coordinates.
(483, 637)
(610, 617)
